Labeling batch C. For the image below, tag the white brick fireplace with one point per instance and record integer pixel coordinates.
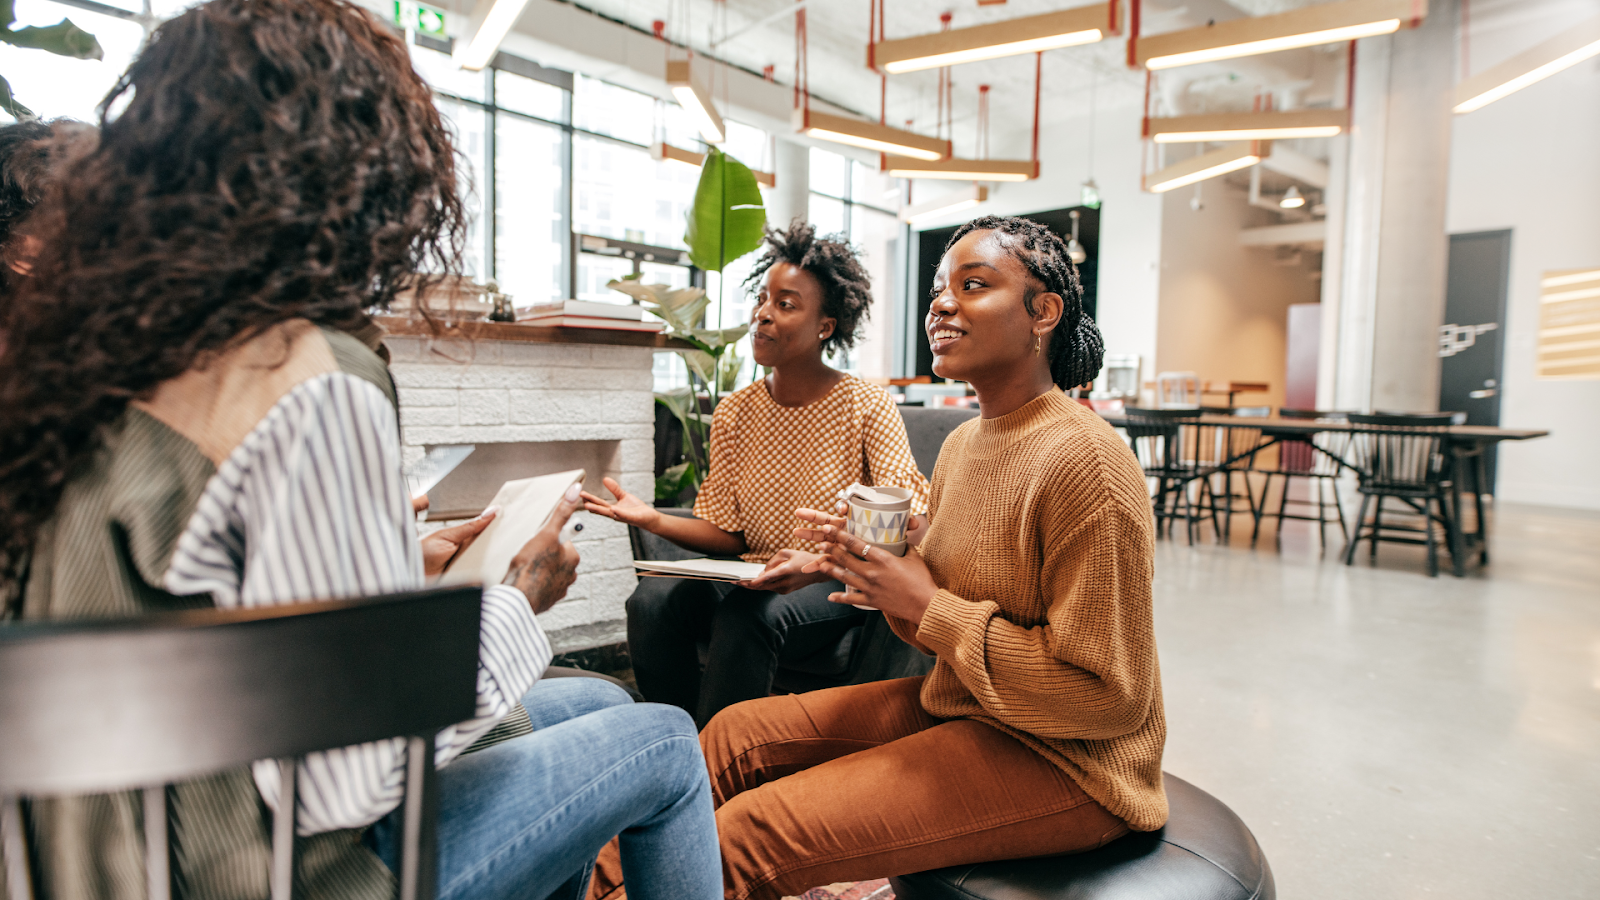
(534, 407)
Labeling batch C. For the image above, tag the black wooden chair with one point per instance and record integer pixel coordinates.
(1179, 456)
(143, 703)
(1402, 457)
(1319, 459)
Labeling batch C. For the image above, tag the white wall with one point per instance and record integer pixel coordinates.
(1130, 220)
(1531, 163)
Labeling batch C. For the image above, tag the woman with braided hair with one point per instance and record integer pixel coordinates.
(1040, 729)
(795, 438)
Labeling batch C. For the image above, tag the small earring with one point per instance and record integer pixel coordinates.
(1036, 343)
(822, 337)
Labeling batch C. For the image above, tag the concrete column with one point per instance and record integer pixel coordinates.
(1391, 278)
(790, 198)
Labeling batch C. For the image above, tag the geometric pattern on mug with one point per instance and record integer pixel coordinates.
(767, 460)
(879, 535)
(873, 518)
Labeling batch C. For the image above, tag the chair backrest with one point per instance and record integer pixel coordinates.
(926, 430)
(1177, 390)
(1399, 450)
(1285, 412)
(92, 707)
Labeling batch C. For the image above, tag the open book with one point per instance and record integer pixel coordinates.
(704, 569)
(525, 507)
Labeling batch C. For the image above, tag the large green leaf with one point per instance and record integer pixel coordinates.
(680, 308)
(8, 13)
(62, 39)
(717, 338)
(701, 363)
(8, 102)
(727, 217)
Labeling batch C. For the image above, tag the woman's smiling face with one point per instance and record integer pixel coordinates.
(978, 322)
(787, 323)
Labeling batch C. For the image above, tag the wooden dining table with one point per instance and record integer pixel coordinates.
(1463, 446)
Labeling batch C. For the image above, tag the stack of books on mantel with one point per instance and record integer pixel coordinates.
(587, 314)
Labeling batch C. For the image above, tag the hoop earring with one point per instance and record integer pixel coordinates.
(1036, 343)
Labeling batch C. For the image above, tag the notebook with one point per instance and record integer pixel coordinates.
(703, 569)
(525, 507)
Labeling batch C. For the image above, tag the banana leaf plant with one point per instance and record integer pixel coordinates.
(62, 39)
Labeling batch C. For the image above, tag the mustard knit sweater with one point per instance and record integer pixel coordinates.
(1041, 541)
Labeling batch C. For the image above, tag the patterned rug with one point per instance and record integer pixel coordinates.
(877, 889)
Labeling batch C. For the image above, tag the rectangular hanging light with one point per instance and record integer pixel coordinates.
(1262, 126)
(1569, 324)
(869, 135)
(662, 151)
(1230, 158)
(1535, 64)
(962, 169)
(490, 23)
(1029, 34)
(966, 198)
(696, 101)
(1309, 26)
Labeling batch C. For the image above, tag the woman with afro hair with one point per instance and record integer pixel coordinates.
(1040, 729)
(793, 439)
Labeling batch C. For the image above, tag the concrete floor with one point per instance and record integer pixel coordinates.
(1390, 735)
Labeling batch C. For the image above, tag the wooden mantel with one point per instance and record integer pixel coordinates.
(533, 334)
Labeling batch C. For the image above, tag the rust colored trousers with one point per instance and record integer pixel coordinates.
(860, 782)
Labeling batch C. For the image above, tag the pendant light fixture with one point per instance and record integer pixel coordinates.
(1013, 37)
(1075, 251)
(696, 101)
(1309, 26)
(1229, 158)
(1565, 50)
(849, 131)
(977, 169)
(1251, 126)
(1089, 193)
(490, 23)
(662, 150)
(1292, 198)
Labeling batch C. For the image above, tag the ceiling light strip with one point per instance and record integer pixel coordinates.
(1261, 126)
(962, 169)
(696, 101)
(1310, 26)
(1207, 165)
(1572, 46)
(1567, 278)
(664, 151)
(490, 23)
(1029, 34)
(869, 135)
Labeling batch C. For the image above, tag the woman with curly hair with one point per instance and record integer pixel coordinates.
(192, 413)
(795, 438)
(1040, 729)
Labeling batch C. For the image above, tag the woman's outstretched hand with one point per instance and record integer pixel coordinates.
(901, 586)
(785, 572)
(626, 508)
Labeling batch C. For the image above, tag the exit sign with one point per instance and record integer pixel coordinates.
(419, 17)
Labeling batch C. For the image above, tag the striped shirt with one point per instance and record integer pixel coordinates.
(312, 505)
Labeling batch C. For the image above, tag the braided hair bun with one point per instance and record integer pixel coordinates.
(1076, 348)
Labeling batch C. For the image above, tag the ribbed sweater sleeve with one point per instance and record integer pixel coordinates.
(1080, 675)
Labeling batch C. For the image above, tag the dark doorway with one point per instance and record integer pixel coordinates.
(930, 246)
(1471, 339)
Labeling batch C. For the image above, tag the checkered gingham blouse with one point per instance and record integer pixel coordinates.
(768, 460)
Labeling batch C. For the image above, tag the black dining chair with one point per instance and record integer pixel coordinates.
(1318, 459)
(1401, 457)
(143, 703)
(1178, 455)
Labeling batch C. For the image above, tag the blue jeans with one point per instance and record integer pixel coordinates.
(525, 818)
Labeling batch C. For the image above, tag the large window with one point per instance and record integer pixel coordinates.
(855, 200)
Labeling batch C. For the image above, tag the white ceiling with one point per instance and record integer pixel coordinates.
(837, 36)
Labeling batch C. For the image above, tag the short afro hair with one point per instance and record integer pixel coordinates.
(846, 287)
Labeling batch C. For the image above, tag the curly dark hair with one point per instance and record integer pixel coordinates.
(24, 159)
(275, 160)
(1076, 348)
(846, 287)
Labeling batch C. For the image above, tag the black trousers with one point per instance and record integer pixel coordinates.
(748, 633)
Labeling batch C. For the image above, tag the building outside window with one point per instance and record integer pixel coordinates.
(852, 199)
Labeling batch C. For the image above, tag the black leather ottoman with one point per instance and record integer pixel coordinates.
(1204, 853)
